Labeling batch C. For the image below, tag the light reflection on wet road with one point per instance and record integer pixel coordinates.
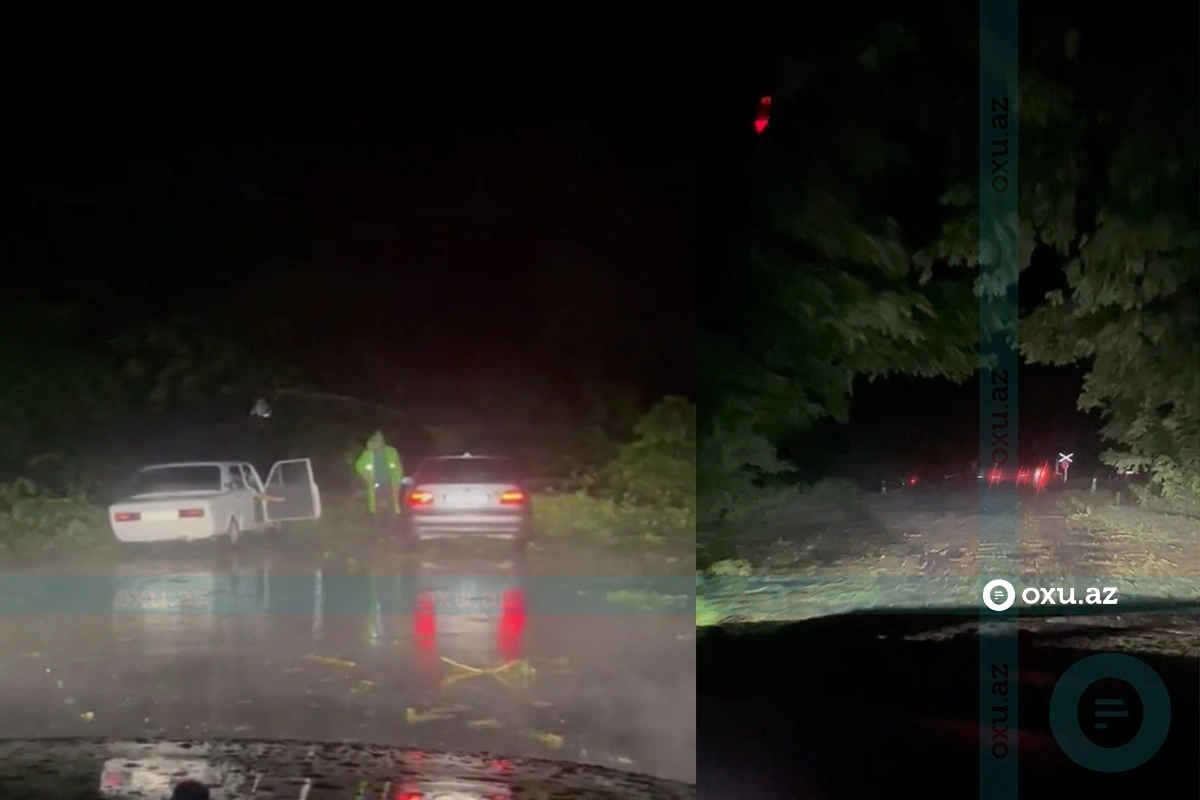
(273, 642)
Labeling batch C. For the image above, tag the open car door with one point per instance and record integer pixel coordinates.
(292, 491)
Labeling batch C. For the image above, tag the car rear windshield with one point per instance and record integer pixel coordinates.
(468, 470)
(178, 479)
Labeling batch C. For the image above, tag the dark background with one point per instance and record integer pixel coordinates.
(462, 204)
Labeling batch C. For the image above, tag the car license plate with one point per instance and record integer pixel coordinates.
(159, 516)
(462, 499)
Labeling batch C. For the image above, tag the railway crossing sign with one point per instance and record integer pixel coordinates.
(1064, 464)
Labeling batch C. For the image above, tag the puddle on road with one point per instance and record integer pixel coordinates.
(188, 641)
(447, 654)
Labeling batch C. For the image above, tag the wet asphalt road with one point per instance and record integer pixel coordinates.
(284, 640)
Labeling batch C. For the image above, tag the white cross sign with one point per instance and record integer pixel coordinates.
(1065, 459)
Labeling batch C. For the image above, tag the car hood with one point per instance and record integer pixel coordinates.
(65, 769)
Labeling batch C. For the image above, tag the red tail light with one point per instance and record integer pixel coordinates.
(126, 516)
(513, 497)
(191, 513)
(420, 498)
(509, 636)
(763, 117)
(424, 622)
(1042, 476)
(424, 618)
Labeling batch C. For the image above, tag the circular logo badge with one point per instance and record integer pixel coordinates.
(1105, 699)
(999, 595)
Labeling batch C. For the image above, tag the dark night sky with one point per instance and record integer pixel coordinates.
(476, 200)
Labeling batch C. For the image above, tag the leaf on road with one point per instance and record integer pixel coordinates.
(484, 724)
(646, 601)
(520, 670)
(333, 662)
(464, 667)
(550, 740)
(453, 679)
(432, 715)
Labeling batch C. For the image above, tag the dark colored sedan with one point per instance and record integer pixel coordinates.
(469, 495)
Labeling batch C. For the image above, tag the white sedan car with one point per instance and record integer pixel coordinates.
(209, 499)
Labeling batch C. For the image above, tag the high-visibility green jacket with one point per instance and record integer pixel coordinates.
(365, 467)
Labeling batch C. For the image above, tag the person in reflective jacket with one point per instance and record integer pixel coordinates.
(380, 469)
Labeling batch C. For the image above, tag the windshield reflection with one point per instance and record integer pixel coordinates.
(164, 766)
(160, 768)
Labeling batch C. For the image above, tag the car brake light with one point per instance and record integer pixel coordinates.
(126, 516)
(512, 498)
(420, 498)
(763, 117)
(191, 513)
(512, 626)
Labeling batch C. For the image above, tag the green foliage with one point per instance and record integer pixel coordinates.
(583, 516)
(1113, 196)
(658, 467)
(646, 493)
(830, 286)
(51, 387)
(836, 281)
(734, 464)
(180, 363)
(575, 515)
(32, 518)
(1131, 313)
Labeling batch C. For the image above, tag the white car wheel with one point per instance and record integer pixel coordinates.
(235, 531)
